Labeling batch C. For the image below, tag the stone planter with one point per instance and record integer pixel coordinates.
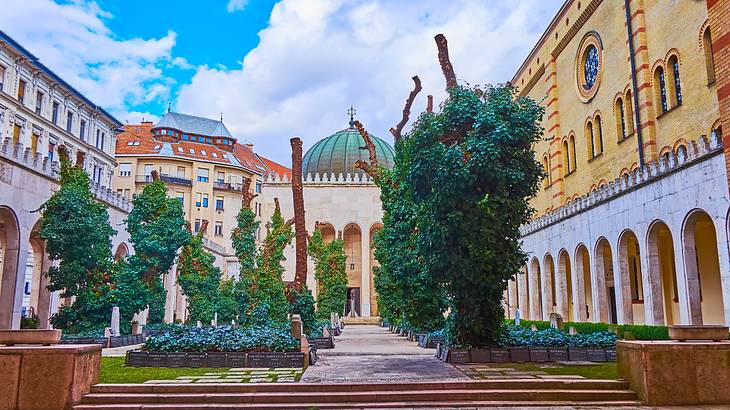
(480, 356)
(457, 356)
(539, 354)
(699, 332)
(577, 354)
(323, 342)
(596, 355)
(44, 337)
(499, 355)
(138, 358)
(519, 354)
(559, 354)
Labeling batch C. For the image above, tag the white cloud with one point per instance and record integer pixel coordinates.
(181, 62)
(317, 57)
(236, 5)
(74, 41)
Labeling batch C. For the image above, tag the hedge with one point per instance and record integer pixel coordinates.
(638, 332)
(223, 339)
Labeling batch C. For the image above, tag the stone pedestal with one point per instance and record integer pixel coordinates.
(47, 377)
(676, 373)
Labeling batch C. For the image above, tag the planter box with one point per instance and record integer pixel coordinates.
(216, 359)
(480, 356)
(499, 355)
(294, 359)
(539, 354)
(44, 337)
(596, 355)
(610, 355)
(457, 356)
(519, 354)
(432, 342)
(698, 332)
(139, 358)
(559, 354)
(577, 354)
(236, 359)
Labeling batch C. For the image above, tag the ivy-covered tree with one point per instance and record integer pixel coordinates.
(330, 274)
(470, 172)
(156, 228)
(78, 235)
(200, 281)
(243, 239)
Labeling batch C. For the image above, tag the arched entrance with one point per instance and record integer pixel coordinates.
(9, 258)
(535, 286)
(328, 231)
(630, 278)
(352, 235)
(37, 297)
(550, 301)
(702, 267)
(565, 299)
(121, 252)
(584, 292)
(664, 297)
(605, 297)
(373, 263)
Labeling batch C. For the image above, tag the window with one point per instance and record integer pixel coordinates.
(202, 152)
(629, 104)
(214, 154)
(21, 91)
(100, 136)
(38, 102)
(2, 77)
(590, 70)
(589, 139)
(566, 157)
(197, 226)
(661, 91)
(572, 153)
(677, 83)
(219, 203)
(218, 228)
(181, 172)
(69, 121)
(546, 168)
(51, 148)
(16, 133)
(198, 199)
(34, 143)
(192, 151)
(181, 197)
(709, 62)
(599, 135)
(621, 117)
(202, 174)
(258, 187)
(96, 174)
(82, 130)
(220, 177)
(125, 169)
(147, 172)
(205, 200)
(54, 113)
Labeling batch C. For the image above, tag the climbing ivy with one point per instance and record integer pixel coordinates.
(329, 272)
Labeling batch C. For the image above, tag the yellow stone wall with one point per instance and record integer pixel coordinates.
(549, 75)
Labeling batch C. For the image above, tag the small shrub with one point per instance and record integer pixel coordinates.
(223, 339)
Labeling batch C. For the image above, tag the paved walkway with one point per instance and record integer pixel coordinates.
(366, 353)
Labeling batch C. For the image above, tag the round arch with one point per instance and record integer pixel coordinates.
(629, 278)
(352, 237)
(584, 294)
(565, 286)
(535, 286)
(550, 298)
(9, 260)
(605, 291)
(662, 294)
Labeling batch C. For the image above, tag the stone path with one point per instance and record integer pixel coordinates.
(486, 371)
(239, 375)
(367, 353)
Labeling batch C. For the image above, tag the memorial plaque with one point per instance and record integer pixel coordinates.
(293, 359)
(458, 356)
(596, 355)
(136, 358)
(196, 359)
(519, 354)
(257, 359)
(217, 359)
(499, 355)
(157, 359)
(558, 355)
(577, 354)
(177, 360)
(539, 354)
(236, 359)
(480, 356)
(610, 355)
(323, 343)
(274, 359)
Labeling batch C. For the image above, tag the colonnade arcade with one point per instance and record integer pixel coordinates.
(658, 274)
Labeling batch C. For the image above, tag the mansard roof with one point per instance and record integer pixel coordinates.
(194, 125)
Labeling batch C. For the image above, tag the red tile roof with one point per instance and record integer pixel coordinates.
(276, 168)
(137, 139)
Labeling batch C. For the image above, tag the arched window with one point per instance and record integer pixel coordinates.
(661, 89)
(709, 62)
(589, 139)
(566, 158)
(621, 119)
(629, 113)
(598, 135)
(572, 152)
(546, 167)
(675, 81)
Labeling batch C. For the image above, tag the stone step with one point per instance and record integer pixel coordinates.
(501, 384)
(381, 405)
(360, 396)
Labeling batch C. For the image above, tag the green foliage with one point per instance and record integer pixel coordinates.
(329, 272)
(518, 336)
(30, 322)
(156, 228)
(640, 332)
(200, 281)
(303, 305)
(78, 235)
(453, 205)
(224, 339)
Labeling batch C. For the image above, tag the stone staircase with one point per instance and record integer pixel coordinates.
(371, 320)
(453, 394)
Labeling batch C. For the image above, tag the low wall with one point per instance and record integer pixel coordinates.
(47, 377)
(676, 373)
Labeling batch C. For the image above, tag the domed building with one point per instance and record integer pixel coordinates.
(345, 201)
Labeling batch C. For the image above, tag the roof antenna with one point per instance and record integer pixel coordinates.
(221, 116)
(352, 113)
(169, 107)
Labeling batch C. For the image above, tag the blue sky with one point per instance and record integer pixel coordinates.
(275, 69)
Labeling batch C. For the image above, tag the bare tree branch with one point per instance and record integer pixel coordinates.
(446, 67)
(300, 229)
(246, 192)
(429, 103)
(407, 109)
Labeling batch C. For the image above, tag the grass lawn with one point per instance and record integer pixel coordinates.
(597, 371)
(113, 370)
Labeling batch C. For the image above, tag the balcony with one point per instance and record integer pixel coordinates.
(227, 186)
(165, 178)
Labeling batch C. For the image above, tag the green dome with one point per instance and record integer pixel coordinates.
(338, 153)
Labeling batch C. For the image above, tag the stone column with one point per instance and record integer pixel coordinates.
(533, 284)
(513, 296)
(562, 289)
(622, 284)
(690, 306)
(44, 295)
(653, 303)
(598, 286)
(522, 294)
(724, 262)
(171, 295)
(579, 294)
(546, 291)
(365, 272)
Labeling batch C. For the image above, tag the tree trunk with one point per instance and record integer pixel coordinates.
(300, 229)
